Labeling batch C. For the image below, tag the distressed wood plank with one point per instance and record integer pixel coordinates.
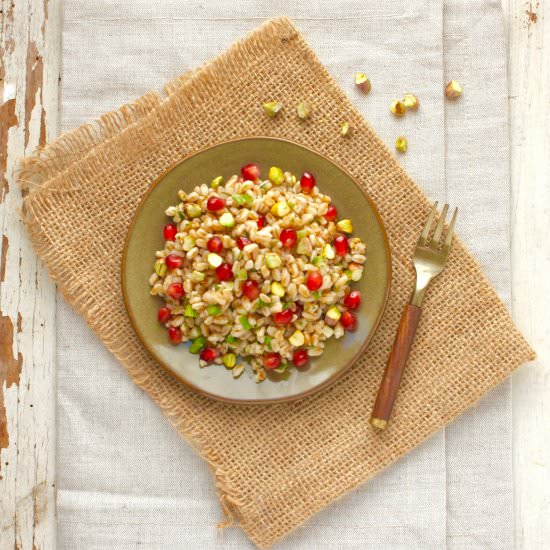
(529, 72)
(29, 115)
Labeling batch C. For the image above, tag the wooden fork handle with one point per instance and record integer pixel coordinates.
(396, 365)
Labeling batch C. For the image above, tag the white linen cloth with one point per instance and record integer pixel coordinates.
(125, 478)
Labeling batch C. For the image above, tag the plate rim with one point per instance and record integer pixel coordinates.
(322, 386)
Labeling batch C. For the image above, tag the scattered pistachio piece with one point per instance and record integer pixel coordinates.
(401, 144)
(333, 316)
(328, 252)
(229, 360)
(303, 110)
(227, 219)
(362, 82)
(273, 261)
(214, 309)
(245, 323)
(197, 344)
(216, 182)
(411, 102)
(197, 276)
(397, 107)
(188, 243)
(272, 108)
(230, 339)
(242, 275)
(453, 90)
(345, 128)
(193, 210)
(160, 268)
(190, 312)
(280, 209)
(345, 226)
(297, 339)
(277, 289)
(214, 260)
(276, 175)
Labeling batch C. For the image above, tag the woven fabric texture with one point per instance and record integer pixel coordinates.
(270, 475)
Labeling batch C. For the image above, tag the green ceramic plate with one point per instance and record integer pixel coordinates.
(145, 237)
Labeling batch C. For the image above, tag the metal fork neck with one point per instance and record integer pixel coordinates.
(422, 282)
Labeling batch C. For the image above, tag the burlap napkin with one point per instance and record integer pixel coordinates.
(274, 466)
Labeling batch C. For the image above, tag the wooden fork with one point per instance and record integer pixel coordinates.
(429, 261)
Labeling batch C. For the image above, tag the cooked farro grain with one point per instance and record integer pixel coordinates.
(254, 270)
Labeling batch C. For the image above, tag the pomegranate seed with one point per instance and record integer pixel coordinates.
(341, 245)
(224, 272)
(332, 213)
(283, 318)
(174, 334)
(213, 204)
(251, 289)
(209, 354)
(349, 321)
(261, 222)
(173, 261)
(314, 281)
(272, 360)
(300, 357)
(353, 299)
(307, 182)
(164, 315)
(175, 291)
(251, 172)
(214, 244)
(288, 237)
(242, 242)
(170, 231)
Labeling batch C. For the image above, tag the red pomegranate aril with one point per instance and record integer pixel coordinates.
(353, 299)
(214, 244)
(349, 321)
(332, 213)
(288, 237)
(242, 242)
(251, 289)
(314, 281)
(250, 172)
(271, 360)
(300, 357)
(307, 182)
(224, 272)
(174, 334)
(341, 245)
(261, 222)
(175, 291)
(283, 317)
(173, 261)
(209, 354)
(214, 204)
(169, 232)
(164, 315)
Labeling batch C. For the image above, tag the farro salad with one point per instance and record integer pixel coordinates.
(259, 269)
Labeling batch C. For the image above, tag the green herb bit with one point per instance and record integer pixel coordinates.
(214, 309)
(242, 199)
(230, 339)
(245, 322)
(197, 345)
(190, 312)
(267, 342)
(316, 295)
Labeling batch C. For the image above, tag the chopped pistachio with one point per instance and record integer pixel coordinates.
(272, 260)
(193, 210)
(303, 110)
(411, 102)
(276, 175)
(230, 339)
(188, 243)
(345, 128)
(190, 312)
(227, 219)
(245, 323)
(397, 107)
(242, 275)
(277, 289)
(272, 108)
(304, 247)
(302, 233)
(345, 226)
(214, 309)
(280, 209)
(362, 82)
(242, 199)
(333, 316)
(328, 252)
(214, 260)
(297, 339)
(197, 344)
(197, 276)
(401, 144)
(237, 371)
(160, 268)
(453, 90)
(216, 182)
(317, 261)
(229, 360)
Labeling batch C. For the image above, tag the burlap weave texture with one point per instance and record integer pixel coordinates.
(274, 466)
